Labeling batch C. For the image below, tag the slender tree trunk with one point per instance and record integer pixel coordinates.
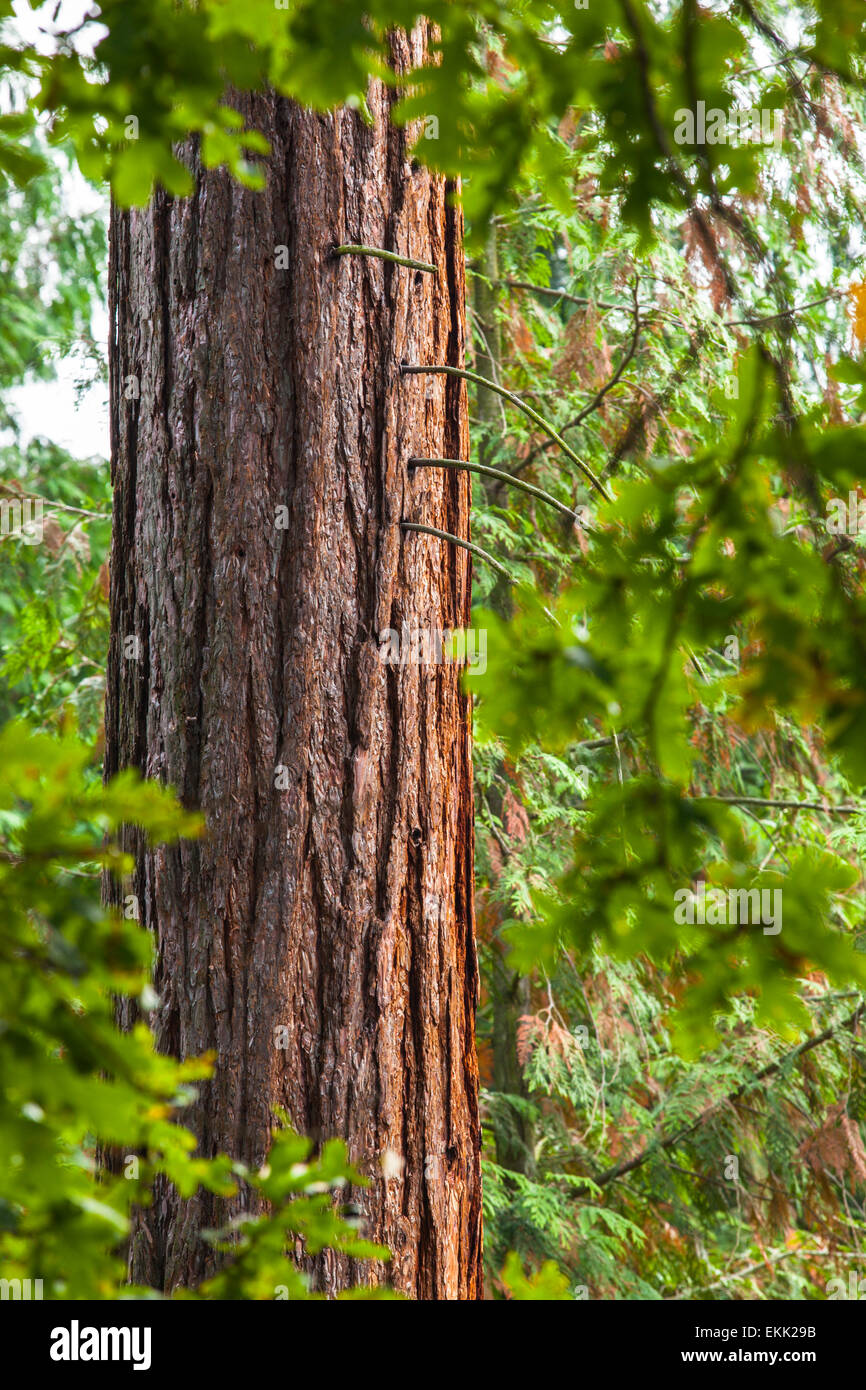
(514, 1134)
(510, 998)
(509, 992)
(485, 295)
(320, 938)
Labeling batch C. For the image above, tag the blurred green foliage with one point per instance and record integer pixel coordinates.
(71, 1079)
(675, 1110)
(498, 80)
(669, 1111)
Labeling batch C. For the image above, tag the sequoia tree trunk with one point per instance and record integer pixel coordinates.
(320, 937)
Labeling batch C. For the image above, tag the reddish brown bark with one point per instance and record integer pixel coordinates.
(339, 908)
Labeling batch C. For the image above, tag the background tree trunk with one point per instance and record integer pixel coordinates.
(509, 992)
(320, 938)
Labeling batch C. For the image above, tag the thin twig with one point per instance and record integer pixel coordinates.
(561, 294)
(647, 310)
(384, 256)
(786, 313)
(415, 369)
(498, 473)
(50, 503)
(455, 540)
(757, 322)
(750, 1269)
(660, 1145)
(845, 810)
(609, 385)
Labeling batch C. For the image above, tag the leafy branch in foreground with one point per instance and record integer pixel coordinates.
(72, 1081)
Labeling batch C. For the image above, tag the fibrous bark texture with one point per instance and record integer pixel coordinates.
(320, 937)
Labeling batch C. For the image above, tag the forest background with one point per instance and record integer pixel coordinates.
(675, 641)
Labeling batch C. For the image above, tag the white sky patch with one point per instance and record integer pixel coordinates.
(49, 408)
(55, 409)
(38, 26)
(77, 420)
